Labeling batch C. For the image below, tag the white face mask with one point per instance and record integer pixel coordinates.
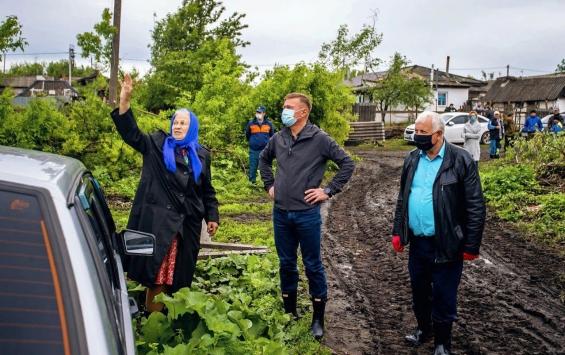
(259, 116)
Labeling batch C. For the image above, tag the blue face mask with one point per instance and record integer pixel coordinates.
(287, 117)
(473, 119)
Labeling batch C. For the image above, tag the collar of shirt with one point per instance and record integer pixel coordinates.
(439, 155)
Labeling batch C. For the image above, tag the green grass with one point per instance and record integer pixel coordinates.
(393, 144)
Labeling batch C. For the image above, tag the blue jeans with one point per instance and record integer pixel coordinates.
(434, 285)
(294, 228)
(253, 164)
(493, 146)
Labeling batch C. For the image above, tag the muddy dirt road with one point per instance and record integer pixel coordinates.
(508, 300)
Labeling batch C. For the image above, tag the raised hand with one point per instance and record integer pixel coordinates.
(125, 93)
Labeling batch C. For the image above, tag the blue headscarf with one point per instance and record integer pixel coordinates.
(189, 142)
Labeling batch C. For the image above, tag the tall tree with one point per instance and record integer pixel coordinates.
(11, 37)
(347, 53)
(561, 67)
(183, 42)
(399, 87)
(98, 43)
(27, 69)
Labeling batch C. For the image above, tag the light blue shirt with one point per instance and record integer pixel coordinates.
(421, 202)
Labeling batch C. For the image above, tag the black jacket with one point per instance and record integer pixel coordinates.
(164, 203)
(301, 164)
(459, 207)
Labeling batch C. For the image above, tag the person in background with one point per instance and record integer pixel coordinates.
(472, 136)
(533, 124)
(440, 212)
(258, 132)
(557, 116)
(509, 130)
(496, 132)
(450, 108)
(556, 126)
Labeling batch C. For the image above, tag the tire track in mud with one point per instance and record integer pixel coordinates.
(508, 300)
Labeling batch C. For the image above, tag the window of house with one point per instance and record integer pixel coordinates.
(442, 98)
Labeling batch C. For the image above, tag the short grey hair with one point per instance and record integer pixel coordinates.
(437, 122)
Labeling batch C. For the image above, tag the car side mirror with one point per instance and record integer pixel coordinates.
(138, 243)
(450, 123)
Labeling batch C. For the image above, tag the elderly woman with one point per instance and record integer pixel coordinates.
(173, 196)
(472, 136)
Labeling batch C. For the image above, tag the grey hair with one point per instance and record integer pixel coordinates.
(437, 122)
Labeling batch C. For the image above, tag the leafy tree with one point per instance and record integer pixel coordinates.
(27, 69)
(398, 86)
(61, 68)
(387, 92)
(561, 67)
(183, 43)
(331, 98)
(346, 52)
(11, 35)
(99, 42)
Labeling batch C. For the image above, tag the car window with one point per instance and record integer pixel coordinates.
(34, 317)
(462, 119)
(446, 117)
(94, 205)
(483, 119)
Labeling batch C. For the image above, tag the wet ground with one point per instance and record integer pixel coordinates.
(508, 300)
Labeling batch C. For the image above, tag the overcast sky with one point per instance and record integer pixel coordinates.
(477, 34)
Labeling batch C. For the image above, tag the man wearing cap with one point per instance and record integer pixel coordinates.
(258, 132)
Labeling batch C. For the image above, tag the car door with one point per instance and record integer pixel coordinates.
(41, 312)
(454, 129)
(99, 225)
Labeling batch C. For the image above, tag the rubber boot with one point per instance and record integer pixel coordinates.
(442, 338)
(319, 306)
(289, 303)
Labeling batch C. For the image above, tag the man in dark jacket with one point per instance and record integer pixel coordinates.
(302, 151)
(440, 211)
(258, 132)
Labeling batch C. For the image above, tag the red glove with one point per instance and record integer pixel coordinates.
(469, 256)
(397, 244)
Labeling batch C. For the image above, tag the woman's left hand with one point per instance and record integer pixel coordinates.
(212, 228)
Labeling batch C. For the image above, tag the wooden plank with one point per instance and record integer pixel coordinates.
(219, 254)
(230, 246)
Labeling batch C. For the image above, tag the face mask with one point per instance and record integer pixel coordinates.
(287, 117)
(423, 142)
(259, 116)
(473, 119)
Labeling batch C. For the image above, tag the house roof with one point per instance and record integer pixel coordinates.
(535, 88)
(22, 81)
(442, 78)
(46, 85)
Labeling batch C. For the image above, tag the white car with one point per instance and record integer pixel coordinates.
(454, 123)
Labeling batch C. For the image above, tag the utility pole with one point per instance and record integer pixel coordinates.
(71, 61)
(115, 61)
(507, 70)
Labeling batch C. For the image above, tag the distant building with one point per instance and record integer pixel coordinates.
(542, 92)
(447, 88)
(27, 88)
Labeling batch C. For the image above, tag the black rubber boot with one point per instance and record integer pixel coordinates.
(442, 338)
(289, 303)
(317, 328)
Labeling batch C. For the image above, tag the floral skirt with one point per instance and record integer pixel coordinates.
(166, 272)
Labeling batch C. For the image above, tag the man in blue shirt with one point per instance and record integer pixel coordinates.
(440, 211)
(258, 132)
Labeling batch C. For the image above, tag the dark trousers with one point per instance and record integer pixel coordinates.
(253, 164)
(434, 286)
(300, 228)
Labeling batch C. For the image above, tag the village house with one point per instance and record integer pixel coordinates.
(520, 95)
(463, 92)
(29, 87)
